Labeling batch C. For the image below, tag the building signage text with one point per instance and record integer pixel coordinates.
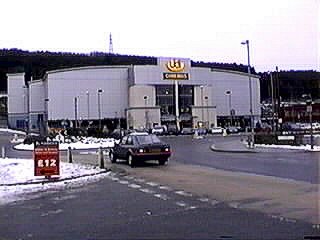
(176, 70)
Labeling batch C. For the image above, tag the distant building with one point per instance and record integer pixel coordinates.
(135, 96)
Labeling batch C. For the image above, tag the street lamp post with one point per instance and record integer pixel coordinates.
(88, 105)
(75, 112)
(202, 111)
(229, 93)
(145, 111)
(251, 143)
(309, 110)
(207, 106)
(99, 107)
(46, 125)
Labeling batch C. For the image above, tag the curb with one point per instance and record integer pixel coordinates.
(213, 148)
(54, 180)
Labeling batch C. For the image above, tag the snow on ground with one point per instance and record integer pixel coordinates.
(17, 171)
(85, 143)
(301, 147)
(7, 130)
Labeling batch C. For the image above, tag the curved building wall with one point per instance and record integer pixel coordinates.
(219, 81)
(83, 84)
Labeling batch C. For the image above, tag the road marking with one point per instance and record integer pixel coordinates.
(161, 196)
(123, 182)
(191, 207)
(134, 186)
(115, 179)
(234, 205)
(181, 204)
(203, 199)
(62, 198)
(139, 180)
(165, 188)
(182, 193)
(214, 202)
(51, 212)
(128, 177)
(145, 190)
(152, 184)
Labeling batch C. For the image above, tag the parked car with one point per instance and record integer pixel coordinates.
(158, 130)
(216, 130)
(172, 129)
(187, 131)
(232, 130)
(140, 147)
(30, 139)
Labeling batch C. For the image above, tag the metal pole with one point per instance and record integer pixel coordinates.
(69, 155)
(75, 112)
(101, 157)
(207, 102)
(177, 103)
(201, 95)
(311, 129)
(145, 111)
(99, 108)
(250, 95)
(88, 105)
(272, 101)
(3, 152)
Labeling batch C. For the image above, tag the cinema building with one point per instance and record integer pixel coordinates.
(133, 96)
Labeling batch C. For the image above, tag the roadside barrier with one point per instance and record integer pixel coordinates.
(3, 152)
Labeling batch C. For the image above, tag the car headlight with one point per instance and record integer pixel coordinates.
(167, 149)
(141, 150)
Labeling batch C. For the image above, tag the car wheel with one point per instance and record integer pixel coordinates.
(131, 161)
(163, 161)
(113, 158)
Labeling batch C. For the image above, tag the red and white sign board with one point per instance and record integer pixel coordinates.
(46, 159)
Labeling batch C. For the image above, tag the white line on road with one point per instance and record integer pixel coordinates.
(123, 182)
(161, 196)
(181, 204)
(134, 186)
(145, 190)
(139, 180)
(51, 212)
(128, 177)
(165, 188)
(152, 184)
(214, 202)
(203, 199)
(183, 193)
(62, 198)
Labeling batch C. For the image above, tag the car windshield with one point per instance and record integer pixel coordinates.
(148, 139)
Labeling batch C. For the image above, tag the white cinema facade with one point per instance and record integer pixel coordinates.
(141, 96)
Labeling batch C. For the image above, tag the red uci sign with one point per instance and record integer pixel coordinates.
(46, 159)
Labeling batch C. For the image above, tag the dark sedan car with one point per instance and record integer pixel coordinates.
(137, 147)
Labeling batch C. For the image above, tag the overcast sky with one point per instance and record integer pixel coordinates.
(282, 33)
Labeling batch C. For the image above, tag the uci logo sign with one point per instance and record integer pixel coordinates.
(175, 65)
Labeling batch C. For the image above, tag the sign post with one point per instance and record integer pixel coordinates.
(46, 159)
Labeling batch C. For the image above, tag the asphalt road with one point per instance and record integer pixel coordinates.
(296, 165)
(122, 207)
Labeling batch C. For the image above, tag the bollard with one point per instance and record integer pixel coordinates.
(3, 152)
(101, 158)
(69, 155)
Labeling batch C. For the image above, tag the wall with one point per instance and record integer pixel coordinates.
(219, 80)
(142, 113)
(83, 83)
(17, 100)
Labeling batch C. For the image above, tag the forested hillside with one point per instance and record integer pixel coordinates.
(291, 83)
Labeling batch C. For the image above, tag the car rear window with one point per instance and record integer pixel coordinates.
(148, 139)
